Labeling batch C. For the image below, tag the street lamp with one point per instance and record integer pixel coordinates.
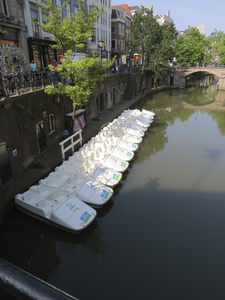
(101, 42)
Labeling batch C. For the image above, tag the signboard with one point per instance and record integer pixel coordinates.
(136, 58)
(124, 59)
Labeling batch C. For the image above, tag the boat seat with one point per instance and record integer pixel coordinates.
(26, 197)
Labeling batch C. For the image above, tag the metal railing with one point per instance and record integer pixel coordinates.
(25, 80)
(22, 81)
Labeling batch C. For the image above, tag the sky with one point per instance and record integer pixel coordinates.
(184, 13)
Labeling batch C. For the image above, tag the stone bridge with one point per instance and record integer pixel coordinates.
(180, 74)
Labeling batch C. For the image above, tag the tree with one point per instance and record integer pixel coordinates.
(144, 34)
(216, 46)
(155, 42)
(82, 75)
(191, 47)
(163, 54)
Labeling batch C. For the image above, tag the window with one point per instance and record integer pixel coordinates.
(34, 15)
(68, 11)
(123, 29)
(120, 28)
(97, 36)
(123, 45)
(75, 10)
(51, 123)
(91, 7)
(113, 43)
(97, 103)
(5, 7)
(109, 21)
(93, 35)
(58, 5)
(113, 29)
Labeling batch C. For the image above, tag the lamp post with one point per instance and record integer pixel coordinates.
(89, 43)
(101, 42)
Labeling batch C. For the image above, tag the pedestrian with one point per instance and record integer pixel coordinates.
(33, 66)
(56, 72)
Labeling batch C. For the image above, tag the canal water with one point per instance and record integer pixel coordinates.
(162, 236)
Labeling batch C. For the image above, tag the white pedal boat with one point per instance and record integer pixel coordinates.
(101, 173)
(113, 140)
(88, 190)
(110, 161)
(141, 116)
(55, 208)
(130, 138)
(147, 112)
(114, 150)
(92, 169)
(135, 123)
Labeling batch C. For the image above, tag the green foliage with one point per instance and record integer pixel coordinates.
(191, 47)
(68, 33)
(82, 75)
(155, 42)
(164, 53)
(216, 46)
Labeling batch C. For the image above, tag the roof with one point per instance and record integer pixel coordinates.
(125, 6)
(136, 8)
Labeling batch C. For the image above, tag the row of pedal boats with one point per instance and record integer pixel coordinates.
(68, 197)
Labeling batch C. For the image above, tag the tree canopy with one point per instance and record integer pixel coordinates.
(216, 47)
(191, 47)
(154, 42)
(82, 75)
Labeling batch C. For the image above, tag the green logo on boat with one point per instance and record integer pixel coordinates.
(87, 218)
(124, 165)
(130, 154)
(117, 177)
(106, 195)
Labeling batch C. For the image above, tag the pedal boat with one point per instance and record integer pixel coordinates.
(56, 209)
(88, 190)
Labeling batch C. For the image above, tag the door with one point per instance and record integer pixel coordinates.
(171, 80)
(102, 102)
(5, 164)
(40, 130)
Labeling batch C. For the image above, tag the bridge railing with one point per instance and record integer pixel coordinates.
(197, 65)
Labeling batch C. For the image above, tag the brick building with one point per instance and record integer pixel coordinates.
(120, 30)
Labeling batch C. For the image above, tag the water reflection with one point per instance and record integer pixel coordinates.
(164, 225)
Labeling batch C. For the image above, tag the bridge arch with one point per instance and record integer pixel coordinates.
(180, 74)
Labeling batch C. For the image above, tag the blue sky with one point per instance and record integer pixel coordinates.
(184, 13)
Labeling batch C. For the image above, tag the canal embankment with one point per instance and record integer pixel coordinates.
(51, 157)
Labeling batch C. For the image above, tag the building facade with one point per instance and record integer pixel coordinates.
(101, 30)
(12, 21)
(120, 29)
